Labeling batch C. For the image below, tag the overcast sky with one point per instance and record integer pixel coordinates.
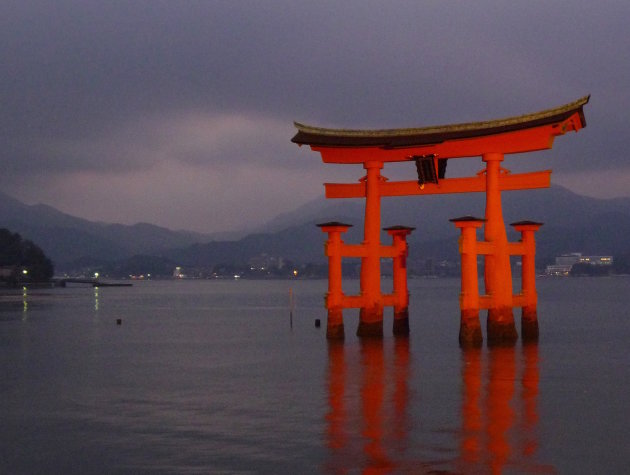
(180, 112)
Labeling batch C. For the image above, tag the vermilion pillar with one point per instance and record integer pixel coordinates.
(497, 271)
(401, 293)
(529, 316)
(470, 327)
(334, 297)
(371, 313)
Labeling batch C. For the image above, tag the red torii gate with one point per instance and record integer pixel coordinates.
(430, 148)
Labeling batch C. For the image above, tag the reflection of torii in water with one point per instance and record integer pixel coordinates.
(369, 422)
(429, 148)
(499, 415)
(372, 434)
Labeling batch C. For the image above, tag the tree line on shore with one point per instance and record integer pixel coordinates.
(22, 260)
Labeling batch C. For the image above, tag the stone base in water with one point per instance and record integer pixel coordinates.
(529, 324)
(470, 329)
(335, 333)
(334, 325)
(501, 328)
(370, 330)
(401, 322)
(370, 322)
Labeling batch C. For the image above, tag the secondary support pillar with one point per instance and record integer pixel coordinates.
(401, 293)
(470, 328)
(529, 315)
(497, 270)
(334, 297)
(371, 313)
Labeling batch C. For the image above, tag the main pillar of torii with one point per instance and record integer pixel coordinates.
(429, 148)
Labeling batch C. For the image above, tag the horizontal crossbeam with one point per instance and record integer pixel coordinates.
(507, 182)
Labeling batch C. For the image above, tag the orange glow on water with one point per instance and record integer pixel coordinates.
(373, 410)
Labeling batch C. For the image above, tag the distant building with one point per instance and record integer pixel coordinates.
(568, 259)
(565, 263)
(558, 270)
(597, 260)
(264, 262)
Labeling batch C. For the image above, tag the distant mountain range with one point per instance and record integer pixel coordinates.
(573, 223)
(67, 239)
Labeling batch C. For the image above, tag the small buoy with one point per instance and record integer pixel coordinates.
(119, 321)
(317, 323)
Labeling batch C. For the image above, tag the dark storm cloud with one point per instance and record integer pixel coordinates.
(102, 88)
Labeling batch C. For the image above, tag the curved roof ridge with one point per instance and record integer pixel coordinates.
(308, 132)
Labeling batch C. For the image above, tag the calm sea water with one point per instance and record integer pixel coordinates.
(213, 377)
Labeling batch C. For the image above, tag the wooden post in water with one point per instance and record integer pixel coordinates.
(529, 312)
(401, 293)
(469, 328)
(334, 297)
(291, 306)
(497, 270)
(371, 313)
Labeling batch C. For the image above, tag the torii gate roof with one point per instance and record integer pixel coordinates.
(509, 135)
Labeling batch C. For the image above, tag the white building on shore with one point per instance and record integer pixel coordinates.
(565, 263)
